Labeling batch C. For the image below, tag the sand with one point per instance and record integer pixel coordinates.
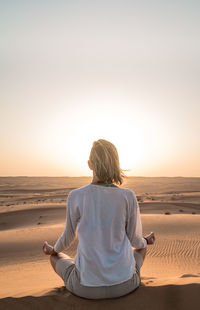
(33, 210)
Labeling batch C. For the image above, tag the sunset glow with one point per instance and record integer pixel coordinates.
(71, 79)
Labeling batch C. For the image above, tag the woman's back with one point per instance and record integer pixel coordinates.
(104, 255)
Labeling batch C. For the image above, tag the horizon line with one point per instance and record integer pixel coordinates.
(56, 176)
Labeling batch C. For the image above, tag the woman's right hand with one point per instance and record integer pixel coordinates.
(151, 238)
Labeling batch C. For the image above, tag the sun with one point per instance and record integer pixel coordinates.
(68, 138)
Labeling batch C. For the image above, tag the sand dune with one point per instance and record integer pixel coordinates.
(32, 216)
(171, 271)
(175, 253)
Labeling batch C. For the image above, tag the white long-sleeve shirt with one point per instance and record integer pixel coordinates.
(109, 224)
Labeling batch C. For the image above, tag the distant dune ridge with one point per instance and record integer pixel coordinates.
(33, 210)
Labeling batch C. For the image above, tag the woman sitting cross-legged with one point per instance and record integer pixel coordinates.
(111, 248)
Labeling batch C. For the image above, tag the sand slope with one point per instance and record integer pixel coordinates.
(174, 259)
(33, 211)
(176, 297)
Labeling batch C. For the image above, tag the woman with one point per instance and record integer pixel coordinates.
(109, 225)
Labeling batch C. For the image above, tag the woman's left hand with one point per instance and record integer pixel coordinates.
(47, 248)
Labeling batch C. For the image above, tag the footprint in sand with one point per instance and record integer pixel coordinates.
(149, 282)
(187, 275)
(150, 279)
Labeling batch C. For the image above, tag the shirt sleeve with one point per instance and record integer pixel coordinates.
(69, 233)
(134, 225)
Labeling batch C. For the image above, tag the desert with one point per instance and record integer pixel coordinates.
(32, 210)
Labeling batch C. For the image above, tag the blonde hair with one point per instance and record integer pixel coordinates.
(105, 162)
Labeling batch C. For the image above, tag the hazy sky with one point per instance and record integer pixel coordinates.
(72, 72)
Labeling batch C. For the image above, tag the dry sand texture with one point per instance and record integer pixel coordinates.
(33, 210)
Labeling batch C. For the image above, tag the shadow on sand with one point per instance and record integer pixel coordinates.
(173, 297)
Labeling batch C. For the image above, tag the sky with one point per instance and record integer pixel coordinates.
(73, 72)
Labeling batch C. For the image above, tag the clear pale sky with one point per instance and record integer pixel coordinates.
(72, 72)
